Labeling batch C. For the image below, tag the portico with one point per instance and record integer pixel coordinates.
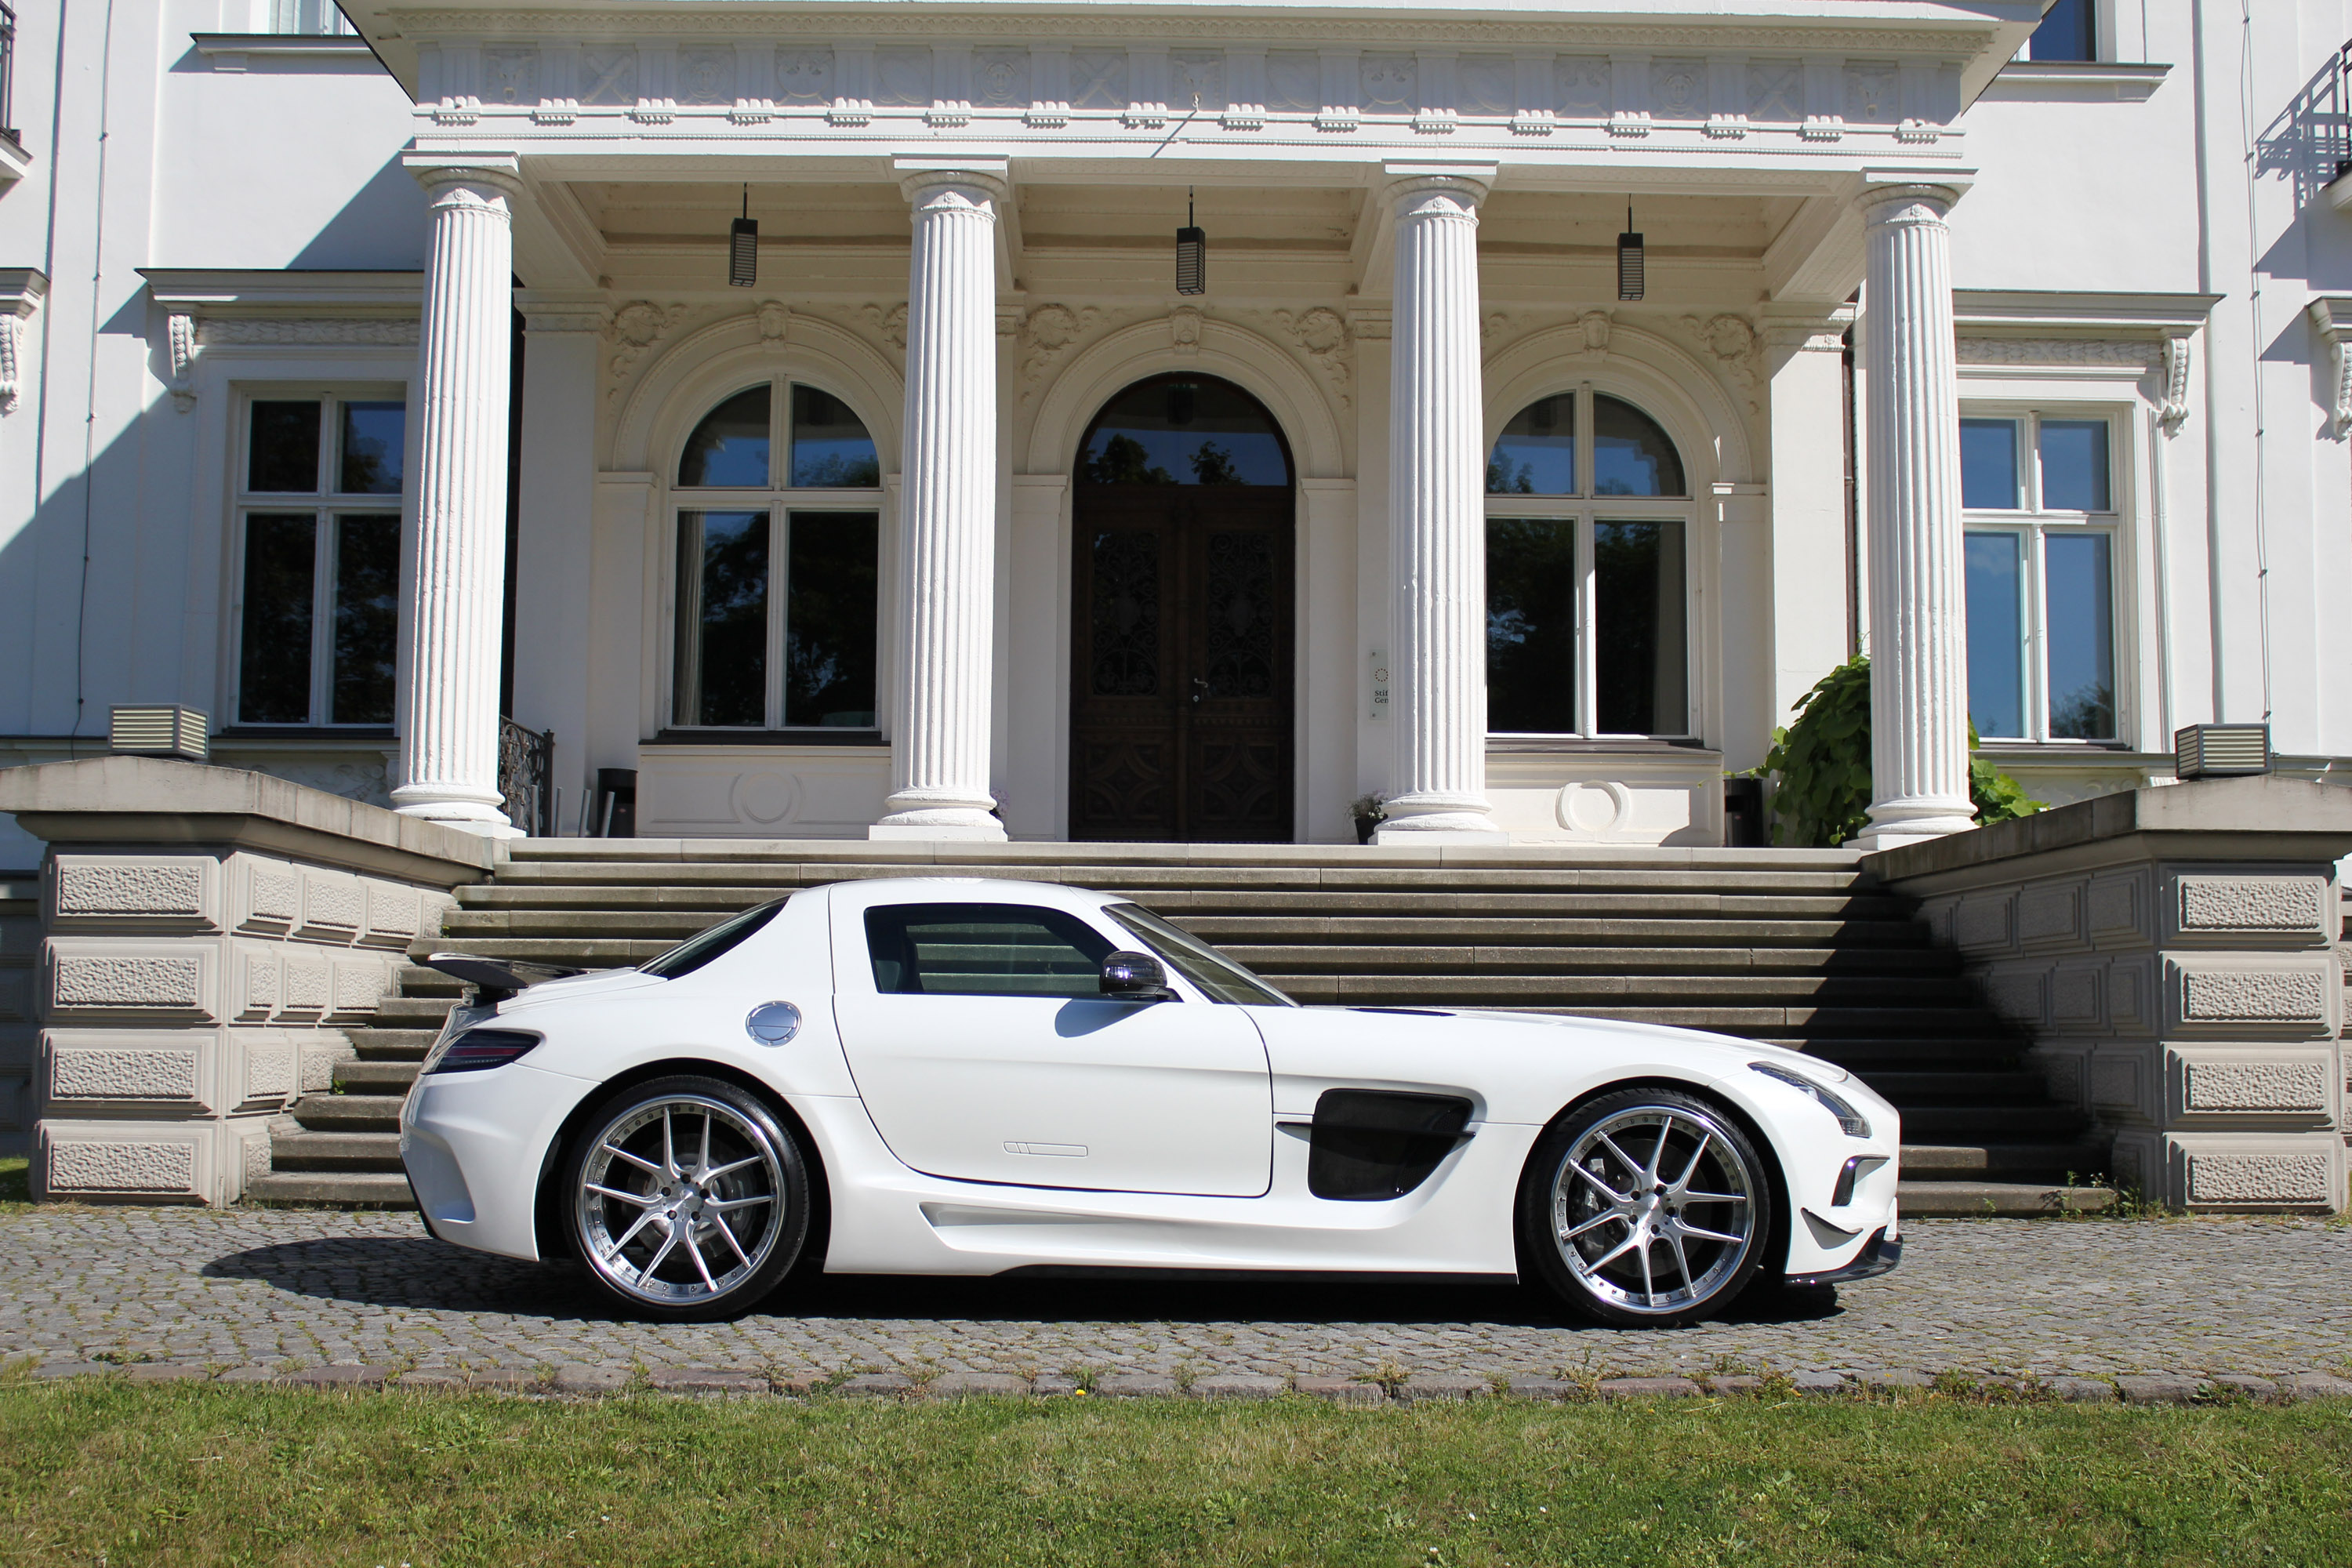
(1411, 260)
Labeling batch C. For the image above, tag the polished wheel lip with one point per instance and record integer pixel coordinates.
(687, 1194)
(1650, 1213)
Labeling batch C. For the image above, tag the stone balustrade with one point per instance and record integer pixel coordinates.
(205, 935)
(2174, 955)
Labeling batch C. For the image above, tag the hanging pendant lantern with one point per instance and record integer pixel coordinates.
(1192, 255)
(743, 248)
(1630, 281)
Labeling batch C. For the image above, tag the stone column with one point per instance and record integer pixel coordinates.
(938, 754)
(1437, 534)
(1918, 609)
(449, 712)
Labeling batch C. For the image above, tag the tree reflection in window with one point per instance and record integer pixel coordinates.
(1183, 430)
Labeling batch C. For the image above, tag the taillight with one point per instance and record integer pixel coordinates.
(478, 1048)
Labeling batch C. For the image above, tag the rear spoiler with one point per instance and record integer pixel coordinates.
(496, 979)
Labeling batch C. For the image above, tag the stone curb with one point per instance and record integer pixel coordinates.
(585, 1381)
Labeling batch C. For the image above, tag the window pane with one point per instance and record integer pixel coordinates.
(831, 593)
(367, 616)
(1996, 634)
(1183, 430)
(1988, 465)
(1536, 453)
(2068, 32)
(984, 950)
(1530, 625)
(731, 445)
(724, 627)
(830, 445)
(2077, 580)
(1640, 663)
(284, 454)
(1631, 454)
(274, 663)
(2074, 465)
(373, 439)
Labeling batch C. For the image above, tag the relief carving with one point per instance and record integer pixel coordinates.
(1321, 334)
(1047, 334)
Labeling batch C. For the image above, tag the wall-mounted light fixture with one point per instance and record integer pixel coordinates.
(1191, 254)
(1630, 281)
(743, 248)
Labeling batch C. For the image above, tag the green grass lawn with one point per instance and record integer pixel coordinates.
(14, 1184)
(97, 1473)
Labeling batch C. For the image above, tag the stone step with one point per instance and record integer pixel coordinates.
(374, 1077)
(403, 1012)
(1475, 954)
(2047, 1122)
(1439, 902)
(300, 1150)
(337, 1189)
(1912, 1090)
(392, 1044)
(348, 1112)
(2050, 1161)
(1512, 970)
(581, 859)
(532, 886)
(2003, 1200)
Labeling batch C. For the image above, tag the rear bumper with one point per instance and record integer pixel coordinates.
(1878, 1256)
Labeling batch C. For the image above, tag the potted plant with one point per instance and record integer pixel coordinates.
(1368, 810)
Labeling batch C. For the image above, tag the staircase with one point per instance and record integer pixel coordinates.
(1789, 946)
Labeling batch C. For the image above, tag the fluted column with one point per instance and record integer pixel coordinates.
(1437, 532)
(939, 762)
(1918, 606)
(449, 713)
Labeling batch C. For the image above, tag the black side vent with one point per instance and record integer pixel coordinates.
(1372, 1144)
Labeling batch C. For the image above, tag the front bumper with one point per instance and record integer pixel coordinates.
(1878, 1256)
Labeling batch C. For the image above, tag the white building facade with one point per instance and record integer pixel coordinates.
(369, 384)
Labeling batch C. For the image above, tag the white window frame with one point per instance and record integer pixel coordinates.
(780, 500)
(1585, 511)
(2035, 523)
(327, 507)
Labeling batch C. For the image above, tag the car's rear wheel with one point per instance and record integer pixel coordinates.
(687, 1198)
(1647, 1209)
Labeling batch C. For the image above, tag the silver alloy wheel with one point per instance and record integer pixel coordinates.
(1653, 1209)
(680, 1200)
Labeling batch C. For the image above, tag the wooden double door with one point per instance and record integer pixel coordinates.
(1181, 670)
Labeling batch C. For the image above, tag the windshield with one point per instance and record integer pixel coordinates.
(717, 942)
(1204, 965)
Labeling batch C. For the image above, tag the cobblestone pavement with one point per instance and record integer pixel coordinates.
(286, 1289)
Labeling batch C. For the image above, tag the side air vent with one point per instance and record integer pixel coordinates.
(1372, 1144)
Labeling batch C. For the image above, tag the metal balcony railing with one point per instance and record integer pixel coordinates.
(526, 777)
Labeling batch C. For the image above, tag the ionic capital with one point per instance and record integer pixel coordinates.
(466, 179)
(1889, 204)
(973, 183)
(1437, 190)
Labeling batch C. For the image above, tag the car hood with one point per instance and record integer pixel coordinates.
(1628, 1030)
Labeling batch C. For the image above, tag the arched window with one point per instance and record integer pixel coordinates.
(779, 582)
(1183, 430)
(1588, 534)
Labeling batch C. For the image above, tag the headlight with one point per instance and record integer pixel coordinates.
(1848, 1117)
(478, 1048)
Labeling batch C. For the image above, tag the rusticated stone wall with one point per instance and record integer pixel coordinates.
(204, 937)
(2178, 967)
(186, 996)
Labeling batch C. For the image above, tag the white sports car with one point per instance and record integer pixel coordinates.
(957, 1077)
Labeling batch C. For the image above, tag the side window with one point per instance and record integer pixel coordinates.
(982, 950)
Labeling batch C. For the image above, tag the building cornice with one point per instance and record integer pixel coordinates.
(1994, 312)
(2031, 80)
(211, 291)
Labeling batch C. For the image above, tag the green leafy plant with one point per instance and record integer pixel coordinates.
(1995, 795)
(1822, 763)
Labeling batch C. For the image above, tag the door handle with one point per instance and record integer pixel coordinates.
(1200, 688)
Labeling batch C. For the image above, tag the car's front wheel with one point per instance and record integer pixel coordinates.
(1646, 1208)
(687, 1198)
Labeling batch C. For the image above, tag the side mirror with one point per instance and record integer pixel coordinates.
(1134, 977)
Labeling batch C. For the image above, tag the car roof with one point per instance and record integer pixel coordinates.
(975, 890)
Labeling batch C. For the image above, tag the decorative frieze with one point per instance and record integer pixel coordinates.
(297, 331)
(1380, 78)
(2129, 353)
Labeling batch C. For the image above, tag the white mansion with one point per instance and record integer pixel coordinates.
(1172, 420)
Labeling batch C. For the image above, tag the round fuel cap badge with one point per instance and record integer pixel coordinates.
(773, 1023)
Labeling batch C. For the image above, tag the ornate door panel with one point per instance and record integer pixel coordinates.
(1181, 668)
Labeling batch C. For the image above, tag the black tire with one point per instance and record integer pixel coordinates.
(685, 1198)
(1611, 1183)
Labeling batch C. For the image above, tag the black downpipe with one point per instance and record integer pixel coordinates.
(514, 515)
